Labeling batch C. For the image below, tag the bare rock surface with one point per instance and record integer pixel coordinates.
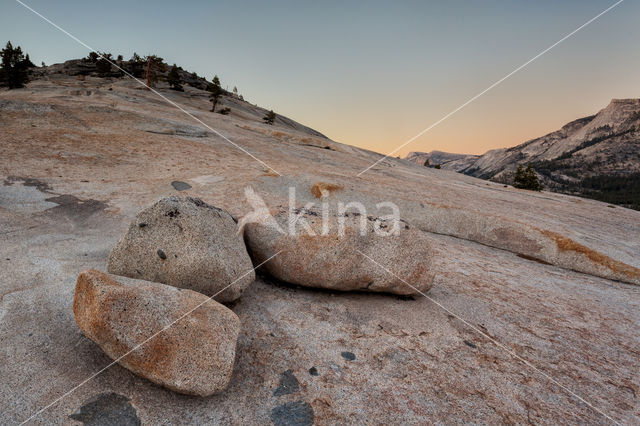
(414, 362)
(538, 238)
(327, 252)
(186, 243)
(133, 322)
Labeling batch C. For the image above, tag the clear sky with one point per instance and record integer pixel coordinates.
(368, 73)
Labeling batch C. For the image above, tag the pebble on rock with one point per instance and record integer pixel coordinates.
(349, 356)
(180, 186)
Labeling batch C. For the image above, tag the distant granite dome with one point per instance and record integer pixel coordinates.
(596, 156)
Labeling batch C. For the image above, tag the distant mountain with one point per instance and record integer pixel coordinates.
(445, 160)
(596, 157)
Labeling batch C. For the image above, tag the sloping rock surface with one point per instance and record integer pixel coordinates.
(406, 359)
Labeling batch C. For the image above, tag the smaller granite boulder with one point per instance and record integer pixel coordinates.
(186, 243)
(348, 251)
(187, 342)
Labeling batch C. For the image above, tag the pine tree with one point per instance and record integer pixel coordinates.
(270, 117)
(155, 64)
(518, 178)
(13, 71)
(526, 179)
(136, 65)
(173, 78)
(27, 62)
(216, 92)
(103, 65)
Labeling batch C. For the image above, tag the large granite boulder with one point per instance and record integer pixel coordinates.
(347, 251)
(176, 338)
(185, 243)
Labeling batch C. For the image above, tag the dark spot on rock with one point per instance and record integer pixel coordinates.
(173, 213)
(471, 345)
(107, 409)
(199, 203)
(450, 316)
(142, 224)
(304, 211)
(38, 184)
(611, 207)
(313, 371)
(288, 384)
(161, 254)
(71, 207)
(296, 413)
(180, 186)
(30, 334)
(349, 356)
(347, 214)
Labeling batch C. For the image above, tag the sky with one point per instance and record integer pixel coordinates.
(371, 73)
